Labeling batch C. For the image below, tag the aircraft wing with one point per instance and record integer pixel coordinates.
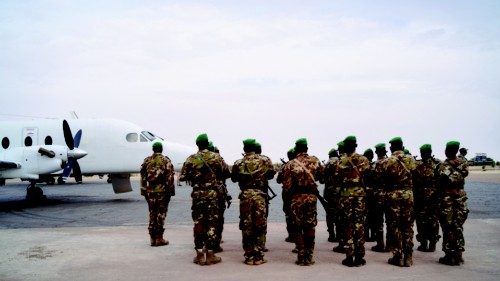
(5, 165)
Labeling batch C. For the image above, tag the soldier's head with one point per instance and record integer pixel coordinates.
(350, 144)
(249, 145)
(202, 141)
(463, 151)
(333, 153)
(157, 147)
(407, 151)
(301, 146)
(452, 149)
(211, 146)
(426, 151)
(291, 154)
(380, 150)
(368, 154)
(396, 144)
(258, 148)
(340, 147)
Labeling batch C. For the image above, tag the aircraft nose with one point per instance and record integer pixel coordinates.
(77, 153)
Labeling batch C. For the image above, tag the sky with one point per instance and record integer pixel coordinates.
(428, 71)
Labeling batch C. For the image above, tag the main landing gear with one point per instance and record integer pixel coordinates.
(34, 193)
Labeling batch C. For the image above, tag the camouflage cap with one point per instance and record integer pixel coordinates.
(157, 145)
(380, 146)
(426, 148)
(202, 138)
(452, 144)
(396, 140)
(350, 139)
(332, 152)
(249, 142)
(301, 141)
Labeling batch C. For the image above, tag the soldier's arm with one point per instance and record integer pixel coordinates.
(185, 176)
(270, 172)
(287, 177)
(320, 171)
(234, 172)
(170, 178)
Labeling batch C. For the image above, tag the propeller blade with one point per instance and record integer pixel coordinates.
(77, 138)
(68, 168)
(68, 136)
(77, 172)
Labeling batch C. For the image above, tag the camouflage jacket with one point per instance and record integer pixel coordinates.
(252, 172)
(204, 170)
(397, 171)
(378, 175)
(349, 173)
(329, 171)
(452, 173)
(300, 180)
(425, 173)
(157, 174)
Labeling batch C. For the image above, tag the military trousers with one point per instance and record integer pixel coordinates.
(426, 214)
(253, 222)
(353, 219)
(157, 205)
(399, 215)
(379, 211)
(304, 214)
(332, 196)
(205, 214)
(453, 215)
(370, 222)
(220, 226)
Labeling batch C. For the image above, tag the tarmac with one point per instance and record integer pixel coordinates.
(88, 233)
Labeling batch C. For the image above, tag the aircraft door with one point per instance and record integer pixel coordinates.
(30, 136)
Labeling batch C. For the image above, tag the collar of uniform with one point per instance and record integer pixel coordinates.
(204, 150)
(249, 153)
(398, 152)
(301, 154)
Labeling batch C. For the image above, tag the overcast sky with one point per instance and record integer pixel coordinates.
(428, 71)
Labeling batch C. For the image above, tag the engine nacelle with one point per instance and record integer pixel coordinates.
(33, 162)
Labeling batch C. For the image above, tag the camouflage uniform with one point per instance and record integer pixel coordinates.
(269, 163)
(426, 203)
(299, 176)
(331, 193)
(379, 208)
(349, 173)
(287, 206)
(252, 172)
(205, 171)
(370, 222)
(454, 211)
(222, 194)
(157, 186)
(397, 171)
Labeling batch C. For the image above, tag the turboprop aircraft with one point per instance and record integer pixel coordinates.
(41, 149)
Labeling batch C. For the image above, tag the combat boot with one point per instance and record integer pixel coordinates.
(289, 239)
(448, 259)
(359, 260)
(348, 261)
(259, 259)
(408, 260)
(332, 237)
(200, 257)
(300, 259)
(458, 258)
(218, 249)
(423, 246)
(152, 239)
(396, 260)
(432, 246)
(160, 241)
(339, 249)
(212, 258)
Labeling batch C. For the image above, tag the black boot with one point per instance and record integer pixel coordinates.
(396, 260)
(359, 260)
(448, 258)
(380, 247)
(458, 258)
(348, 261)
(423, 246)
(339, 248)
(432, 246)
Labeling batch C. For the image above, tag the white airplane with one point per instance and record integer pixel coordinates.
(38, 150)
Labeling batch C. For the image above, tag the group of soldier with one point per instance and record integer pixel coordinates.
(358, 194)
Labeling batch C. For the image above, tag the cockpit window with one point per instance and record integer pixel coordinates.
(150, 136)
(132, 137)
(143, 138)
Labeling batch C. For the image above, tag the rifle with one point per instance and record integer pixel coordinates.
(228, 197)
(283, 161)
(272, 192)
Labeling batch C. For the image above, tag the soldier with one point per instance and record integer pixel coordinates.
(285, 195)
(336, 205)
(397, 171)
(331, 194)
(205, 171)
(463, 153)
(299, 178)
(426, 200)
(453, 198)
(349, 173)
(258, 151)
(370, 198)
(380, 196)
(157, 186)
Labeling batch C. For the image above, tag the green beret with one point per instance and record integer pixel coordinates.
(406, 151)
(452, 144)
(396, 140)
(340, 144)
(350, 139)
(369, 150)
(380, 146)
(301, 141)
(202, 138)
(332, 152)
(211, 146)
(257, 145)
(291, 151)
(426, 148)
(157, 145)
(249, 142)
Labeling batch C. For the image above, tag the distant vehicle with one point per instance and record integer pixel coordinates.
(481, 159)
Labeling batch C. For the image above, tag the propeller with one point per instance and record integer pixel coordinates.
(73, 154)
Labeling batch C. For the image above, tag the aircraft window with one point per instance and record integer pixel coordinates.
(143, 139)
(132, 137)
(148, 135)
(48, 140)
(5, 142)
(28, 141)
